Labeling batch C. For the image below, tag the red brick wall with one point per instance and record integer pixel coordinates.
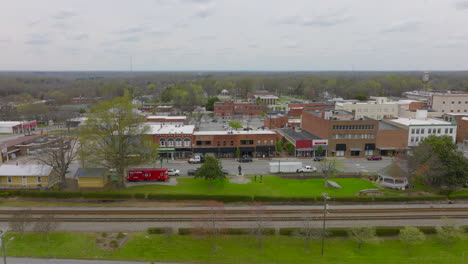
(315, 125)
(462, 130)
(273, 123)
(397, 139)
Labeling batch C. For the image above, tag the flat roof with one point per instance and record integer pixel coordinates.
(166, 117)
(234, 132)
(293, 134)
(387, 126)
(419, 122)
(465, 118)
(25, 170)
(169, 129)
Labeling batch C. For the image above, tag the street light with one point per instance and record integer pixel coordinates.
(2, 241)
(325, 212)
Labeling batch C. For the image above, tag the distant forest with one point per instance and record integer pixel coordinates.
(195, 88)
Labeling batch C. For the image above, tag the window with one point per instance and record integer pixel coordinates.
(162, 142)
(340, 153)
(39, 180)
(9, 180)
(224, 142)
(272, 142)
(259, 142)
(438, 130)
(429, 131)
(453, 102)
(218, 143)
(178, 142)
(459, 102)
(246, 142)
(417, 131)
(170, 142)
(187, 142)
(412, 139)
(232, 143)
(451, 131)
(265, 142)
(443, 102)
(422, 130)
(446, 131)
(413, 130)
(458, 110)
(451, 111)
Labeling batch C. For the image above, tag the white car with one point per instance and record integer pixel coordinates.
(173, 172)
(307, 169)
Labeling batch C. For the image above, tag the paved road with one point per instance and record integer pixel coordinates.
(262, 166)
(74, 261)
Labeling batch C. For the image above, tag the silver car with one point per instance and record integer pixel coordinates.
(173, 172)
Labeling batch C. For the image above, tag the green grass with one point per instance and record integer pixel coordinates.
(234, 249)
(463, 192)
(271, 186)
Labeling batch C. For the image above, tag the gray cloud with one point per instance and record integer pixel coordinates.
(196, 1)
(4, 40)
(461, 5)
(403, 26)
(327, 21)
(64, 15)
(288, 20)
(81, 36)
(132, 30)
(130, 39)
(38, 40)
(204, 11)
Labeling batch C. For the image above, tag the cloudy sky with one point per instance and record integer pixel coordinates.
(234, 35)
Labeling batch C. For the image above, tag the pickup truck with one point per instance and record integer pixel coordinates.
(196, 159)
(307, 169)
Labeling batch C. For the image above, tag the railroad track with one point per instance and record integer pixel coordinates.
(238, 219)
(58, 212)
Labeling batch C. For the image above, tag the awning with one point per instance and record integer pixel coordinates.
(13, 151)
(370, 146)
(387, 148)
(166, 149)
(340, 146)
(355, 149)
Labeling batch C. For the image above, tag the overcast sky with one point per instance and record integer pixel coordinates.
(234, 35)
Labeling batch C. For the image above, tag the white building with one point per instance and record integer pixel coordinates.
(422, 127)
(377, 109)
(450, 103)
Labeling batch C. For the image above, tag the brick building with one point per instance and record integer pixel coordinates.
(228, 109)
(391, 139)
(462, 125)
(273, 121)
(347, 137)
(167, 120)
(174, 141)
(17, 127)
(305, 143)
(224, 144)
(296, 109)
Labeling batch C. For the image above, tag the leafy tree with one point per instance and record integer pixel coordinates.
(448, 233)
(319, 151)
(290, 147)
(244, 87)
(439, 162)
(58, 97)
(211, 171)
(411, 236)
(279, 146)
(235, 124)
(362, 235)
(238, 152)
(210, 103)
(114, 137)
(360, 97)
(38, 112)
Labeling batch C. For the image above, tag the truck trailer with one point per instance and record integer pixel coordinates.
(147, 174)
(280, 166)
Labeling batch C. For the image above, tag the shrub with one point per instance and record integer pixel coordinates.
(5, 194)
(155, 230)
(104, 234)
(185, 231)
(114, 243)
(106, 195)
(139, 196)
(120, 235)
(387, 231)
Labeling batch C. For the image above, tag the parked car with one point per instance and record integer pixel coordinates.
(319, 158)
(307, 169)
(173, 172)
(226, 172)
(245, 159)
(375, 157)
(192, 171)
(196, 159)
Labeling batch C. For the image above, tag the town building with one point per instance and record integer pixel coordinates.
(305, 143)
(449, 103)
(275, 120)
(174, 141)
(296, 109)
(92, 177)
(421, 127)
(265, 99)
(461, 119)
(391, 139)
(26, 145)
(229, 109)
(25, 176)
(17, 127)
(167, 120)
(225, 144)
(346, 135)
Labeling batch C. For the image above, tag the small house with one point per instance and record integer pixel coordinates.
(24, 176)
(92, 177)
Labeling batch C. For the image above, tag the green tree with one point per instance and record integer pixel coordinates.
(115, 137)
(411, 236)
(279, 147)
(39, 112)
(238, 152)
(362, 235)
(244, 86)
(235, 124)
(448, 233)
(58, 97)
(210, 103)
(290, 147)
(360, 97)
(211, 171)
(319, 151)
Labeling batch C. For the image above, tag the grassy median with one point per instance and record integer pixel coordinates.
(270, 186)
(234, 249)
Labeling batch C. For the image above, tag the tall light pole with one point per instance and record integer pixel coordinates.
(325, 212)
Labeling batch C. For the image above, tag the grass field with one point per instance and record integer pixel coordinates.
(271, 186)
(234, 249)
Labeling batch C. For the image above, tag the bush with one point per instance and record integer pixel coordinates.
(120, 235)
(428, 230)
(49, 194)
(289, 231)
(221, 198)
(387, 231)
(236, 231)
(185, 231)
(139, 196)
(5, 194)
(114, 244)
(106, 195)
(155, 230)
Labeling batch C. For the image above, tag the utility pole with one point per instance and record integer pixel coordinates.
(325, 212)
(2, 240)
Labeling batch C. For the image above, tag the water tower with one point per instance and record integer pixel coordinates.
(425, 80)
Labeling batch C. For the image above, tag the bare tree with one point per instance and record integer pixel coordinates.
(329, 168)
(211, 226)
(20, 221)
(308, 232)
(59, 156)
(258, 211)
(46, 224)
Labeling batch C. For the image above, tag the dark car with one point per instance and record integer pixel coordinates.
(245, 159)
(192, 171)
(226, 172)
(374, 158)
(319, 158)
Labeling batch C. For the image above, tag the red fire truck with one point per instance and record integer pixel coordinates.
(147, 174)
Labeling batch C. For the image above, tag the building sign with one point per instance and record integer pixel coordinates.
(320, 142)
(303, 144)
